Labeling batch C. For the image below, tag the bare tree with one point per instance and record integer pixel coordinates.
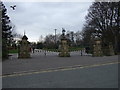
(103, 21)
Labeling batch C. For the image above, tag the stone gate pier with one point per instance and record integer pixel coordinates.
(24, 48)
(64, 48)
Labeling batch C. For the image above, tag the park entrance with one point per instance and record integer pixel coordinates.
(96, 50)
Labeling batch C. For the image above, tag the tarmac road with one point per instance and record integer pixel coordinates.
(40, 62)
(99, 76)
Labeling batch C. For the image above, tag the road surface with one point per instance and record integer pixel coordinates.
(93, 76)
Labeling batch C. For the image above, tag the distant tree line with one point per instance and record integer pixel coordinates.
(53, 41)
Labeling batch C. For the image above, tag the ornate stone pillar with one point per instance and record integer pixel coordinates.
(24, 48)
(97, 51)
(108, 49)
(111, 50)
(64, 48)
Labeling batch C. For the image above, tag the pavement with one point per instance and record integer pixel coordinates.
(40, 62)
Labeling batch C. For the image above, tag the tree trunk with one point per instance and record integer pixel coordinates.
(116, 45)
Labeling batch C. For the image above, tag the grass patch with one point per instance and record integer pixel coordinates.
(54, 50)
(75, 48)
(70, 49)
(13, 51)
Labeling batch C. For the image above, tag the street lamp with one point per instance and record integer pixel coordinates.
(55, 35)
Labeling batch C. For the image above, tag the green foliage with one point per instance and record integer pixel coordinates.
(6, 30)
(4, 49)
(39, 45)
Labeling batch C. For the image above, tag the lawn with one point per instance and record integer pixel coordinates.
(70, 49)
(74, 49)
(13, 51)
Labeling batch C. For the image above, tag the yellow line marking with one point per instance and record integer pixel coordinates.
(55, 70)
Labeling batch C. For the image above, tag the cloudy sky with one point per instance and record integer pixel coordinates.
(41, 18)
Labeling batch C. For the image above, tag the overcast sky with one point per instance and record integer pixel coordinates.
(41, 18)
